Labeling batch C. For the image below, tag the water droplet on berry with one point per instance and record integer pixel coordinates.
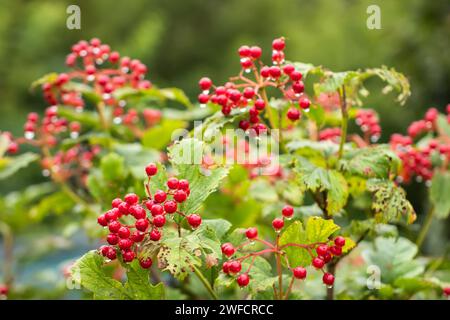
(122, 103)
(329, 286)
(90, 77)
(29, 135)
(125, 69)
(106, 96)
(306, 110)
(79, 109)
(83, 53)
(117, 120)
(289, 218)
(419, 179)
(247, 70)
(96, 50)
(202, 105)
(45, 173)
(99, 61)
(205, 91)
(428, 183)
(107, 260)
(74, 134)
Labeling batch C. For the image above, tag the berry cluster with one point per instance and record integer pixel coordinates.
(3, 290)
(321, 253)
(417, 159)
(87, 61)
(242, 92)
(368, 121)
(126, 237)
(13, 146)
(332, 134)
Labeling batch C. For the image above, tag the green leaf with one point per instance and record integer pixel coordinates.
(58, 203)
(390, 203)
(136, 158)
(186, 156)
(161, 135)
(112, 167)
(319, 180)
(376, 162)
(47, 78)
(395, 258)
(88, 271)
(174, 94)
(220, 226)
(85, 118)
(439, 194)
(139, 286)
(443, 125)
(317, 230)
(395, 80)
(413, 285)
(9, 166)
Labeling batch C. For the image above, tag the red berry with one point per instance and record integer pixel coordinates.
(183, 184)
(327, 257)
(155, 235)
(112, 214)
(318, 263)
(116, 202)
(304, 103)
(249, 92)
(3, 289)
(265, 72)
(244, 51)
(157, 209)
(260, 104)
(203, 98)
(13, 147)
(111, 254)
(275, 72)
(146, 263)
(328, 279)
(235, 266)
(293, 114)
(244, 125)
(296, 76)
(228, 249)
(123, 208)
(160, 196)
(131, 198)
(142, 224)
(104, 250)
(255, 52)
(226, 267)
(278, 44)
(446, 291)
(172, 183)
(170, 206)
(128, 256)
(124, 232)
(180, 196)
(114, 226)
(287, 211)
(278, 223)
(243, 280)
(125, 244)
(339, 241)
(151, 169)
(251, 233)
(336, 251)
(137, 236)
(322, 249)
(159, 220)
(205, 83)
(194, 220)
(112, 239)
(287, 69)
(299, 272)
(298, 87)
(137, 211)
(102, 220)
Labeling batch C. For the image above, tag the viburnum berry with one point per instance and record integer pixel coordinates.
(243, 280)
(235, 267)
(251, 233)
(299, 272)
(278, 223)
(123, 208)
(114, 226)
(183, 184)
(326, 257)
(304, 103)
(123, 232)
(142, 225)
(160, 196)
(116, 202)
(137, 211)
(102, 220)
(180, 196)
(278, 44)
(295, 76)
(128, 256)
(446, 291)
(112, 214)
(228, 249)
(3, 289)
(244, 51)
(146, 263)
(112, 239)
(255, 52)
(159, 220)
(287, 211)
(137, 236)
(339, 241)
(131, 198)
(170, 206)
(293, 114)
(318, 263)
(157, 209)
(328, 279)
(194, 220)
(151, 169)
(335, 250)
(111, 254)
(203, 98)
(172, 183)
(155, 235)
(125, 244)
(205, 83)
(322, 249)
(226, 267)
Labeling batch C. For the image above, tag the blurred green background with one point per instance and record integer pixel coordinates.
(183, 40)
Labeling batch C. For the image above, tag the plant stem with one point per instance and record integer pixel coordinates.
(425, 228)
(289, 288)
(330, 290)
(102, 115)
(344, 123)
(279, 269)
(205, 282)
(269, 110)
(8, 246)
